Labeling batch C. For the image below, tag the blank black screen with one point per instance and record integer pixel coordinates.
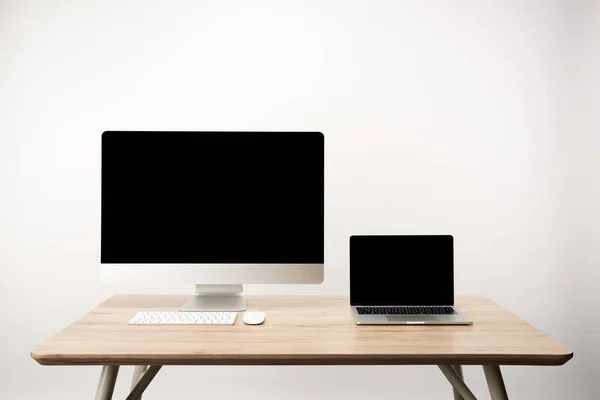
(402, 270)
(212, 197)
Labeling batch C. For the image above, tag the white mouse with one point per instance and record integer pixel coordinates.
(254, 317)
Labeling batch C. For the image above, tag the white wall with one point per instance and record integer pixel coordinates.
(581, 80)
(468, 117)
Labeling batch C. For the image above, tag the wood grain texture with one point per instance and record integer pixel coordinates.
(299, 330)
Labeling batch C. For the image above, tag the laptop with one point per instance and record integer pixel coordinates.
(403, 279)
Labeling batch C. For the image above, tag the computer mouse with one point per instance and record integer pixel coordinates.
(254, 317)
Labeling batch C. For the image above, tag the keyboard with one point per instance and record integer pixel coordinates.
(405, 310)
(183, 318)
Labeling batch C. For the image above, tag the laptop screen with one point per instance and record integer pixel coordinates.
(401, 270)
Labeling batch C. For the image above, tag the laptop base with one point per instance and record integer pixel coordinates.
(411, 319)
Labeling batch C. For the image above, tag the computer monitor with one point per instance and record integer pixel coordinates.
(215, 209)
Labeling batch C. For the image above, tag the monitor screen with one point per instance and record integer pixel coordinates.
(402, 270)
(212, 197)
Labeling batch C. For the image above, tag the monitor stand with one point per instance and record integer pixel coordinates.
(216, 298)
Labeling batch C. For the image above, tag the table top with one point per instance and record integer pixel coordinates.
(298, 330)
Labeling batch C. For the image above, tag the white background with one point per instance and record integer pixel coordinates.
(476, 118)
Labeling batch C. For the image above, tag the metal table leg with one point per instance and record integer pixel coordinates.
(106, 385)
(143, 382)
(457, 382)
(458, 369)
(138, 371)
(495, 382)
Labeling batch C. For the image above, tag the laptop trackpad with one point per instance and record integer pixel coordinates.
(411, 318)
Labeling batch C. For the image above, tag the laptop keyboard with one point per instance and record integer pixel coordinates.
(405, 310)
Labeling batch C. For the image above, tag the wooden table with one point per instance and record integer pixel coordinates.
(299, 330)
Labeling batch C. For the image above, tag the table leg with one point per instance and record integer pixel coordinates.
(495, 382)
(106, 385)
(144, 381)
(457, 382)
(458, 369)
(138, 371)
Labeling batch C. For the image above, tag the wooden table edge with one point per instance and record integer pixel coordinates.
(303, 359)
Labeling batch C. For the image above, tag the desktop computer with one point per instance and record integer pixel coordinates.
(214, 209)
